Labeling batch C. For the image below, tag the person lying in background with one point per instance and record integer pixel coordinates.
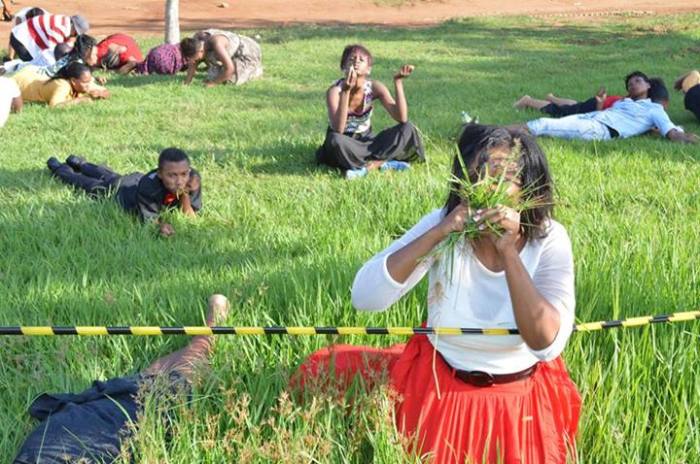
(118, 50)
(36, 37)
(71, 85)
(558, 107)
(634, 115)
(689, 84)
(10, 99)
(164, 59)
(91, 426)
(173, 185)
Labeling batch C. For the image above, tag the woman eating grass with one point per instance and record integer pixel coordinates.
(495, 258)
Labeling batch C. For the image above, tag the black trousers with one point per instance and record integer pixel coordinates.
(401, 142)
(95, 180)
(692, 100)
(21, 51)
(559, 111)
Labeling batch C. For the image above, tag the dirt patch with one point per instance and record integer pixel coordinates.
(145, 17)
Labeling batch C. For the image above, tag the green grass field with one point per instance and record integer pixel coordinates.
(283, 238)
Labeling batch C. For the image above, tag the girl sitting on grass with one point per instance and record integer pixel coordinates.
(350, 144)
(71, 85)
(477, 398)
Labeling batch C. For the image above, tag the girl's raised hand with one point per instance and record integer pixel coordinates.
(405, 71)
(350, 79)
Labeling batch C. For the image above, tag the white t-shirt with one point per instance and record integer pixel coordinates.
(474, 296)
(8, 91)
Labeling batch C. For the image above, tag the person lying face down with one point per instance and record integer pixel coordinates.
(173, 185)
(350, 144)
(91, 426)
(71, 85)
(628, 117)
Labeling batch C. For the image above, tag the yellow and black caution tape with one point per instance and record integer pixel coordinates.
(279, 330)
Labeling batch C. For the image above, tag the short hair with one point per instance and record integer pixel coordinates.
(350, 49)
(475, 143)
(635, 74)
(36, 11)
(72, 70)
(62, 50)
(190, 46)
(658, 92)
(172, 155)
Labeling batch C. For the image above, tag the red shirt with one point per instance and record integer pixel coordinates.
(132, 49)
(610, 101)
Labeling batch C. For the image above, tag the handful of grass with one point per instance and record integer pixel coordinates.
(490, 190)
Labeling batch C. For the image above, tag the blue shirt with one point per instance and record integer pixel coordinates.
(633, 117)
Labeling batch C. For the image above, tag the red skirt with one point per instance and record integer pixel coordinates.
(531, 421)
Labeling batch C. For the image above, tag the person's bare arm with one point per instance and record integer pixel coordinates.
(129, 66)
(229, 67)
(678, 85)
(338, 102)
(683, 137)
(17, 104)
(397, 108)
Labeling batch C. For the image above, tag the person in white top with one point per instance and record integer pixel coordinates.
(10, 99)
(484, 398)
(634, 115)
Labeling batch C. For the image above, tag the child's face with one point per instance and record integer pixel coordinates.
(359, 62)
(175, 176)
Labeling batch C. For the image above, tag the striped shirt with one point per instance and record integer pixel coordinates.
(42, 33)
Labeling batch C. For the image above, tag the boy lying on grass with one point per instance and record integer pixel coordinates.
(174, 184)
(90, 426)
(634, 115)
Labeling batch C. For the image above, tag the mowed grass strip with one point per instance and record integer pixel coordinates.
(283, 238)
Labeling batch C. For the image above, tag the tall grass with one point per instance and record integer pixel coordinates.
(282, 238)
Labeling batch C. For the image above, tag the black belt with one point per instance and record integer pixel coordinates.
(613, 133)
(484, 379)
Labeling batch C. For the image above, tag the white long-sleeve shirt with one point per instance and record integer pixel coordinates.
(473, 296)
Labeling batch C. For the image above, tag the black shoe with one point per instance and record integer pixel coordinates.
(53, 164)
(75, 162)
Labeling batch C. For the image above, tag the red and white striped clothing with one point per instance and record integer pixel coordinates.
(43, 32)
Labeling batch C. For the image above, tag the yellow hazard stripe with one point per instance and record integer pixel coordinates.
(352, 331)
(590, 326)
(37, 330)
(636, 321)
(146, 331)
(687, 316)
(250, 331)
(198, 330)
(91, 330)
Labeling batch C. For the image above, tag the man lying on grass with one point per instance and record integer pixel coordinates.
(631, 116)
(90, 427)
(174, 184)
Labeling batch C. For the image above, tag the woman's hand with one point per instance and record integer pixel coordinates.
(350, 80)
(455, 221)
(405, 71)
(166, 230)
(101, 80)
(505, 219)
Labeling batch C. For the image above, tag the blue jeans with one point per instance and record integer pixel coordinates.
(577, 126)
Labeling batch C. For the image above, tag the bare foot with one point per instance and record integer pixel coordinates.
(219, 307)
(523, 102)
(550, 97)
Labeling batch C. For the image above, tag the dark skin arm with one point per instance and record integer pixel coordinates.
(218, 45)
(678, 136)
(17, 104)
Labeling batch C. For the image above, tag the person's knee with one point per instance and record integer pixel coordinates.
(335, 139)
